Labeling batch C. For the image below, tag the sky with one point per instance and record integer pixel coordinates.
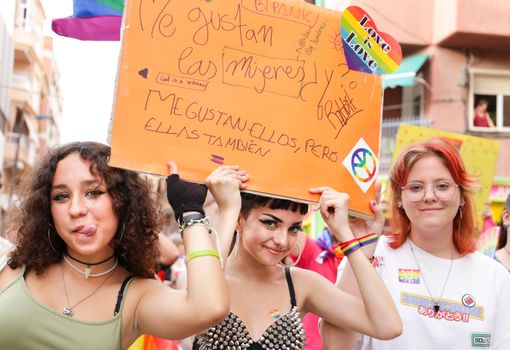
(87, 76)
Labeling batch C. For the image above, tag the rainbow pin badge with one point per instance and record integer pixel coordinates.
(275, 313)
(366, 49)
(362, 164)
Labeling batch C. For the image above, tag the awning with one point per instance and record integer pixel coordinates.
(406, 73)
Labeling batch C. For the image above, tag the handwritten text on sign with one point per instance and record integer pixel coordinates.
(261, 84)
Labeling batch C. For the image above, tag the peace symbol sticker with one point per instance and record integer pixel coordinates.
(362, 164)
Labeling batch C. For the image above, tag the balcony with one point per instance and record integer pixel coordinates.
(478, 24)
(20, 151)
(29, 41)
(23, 91)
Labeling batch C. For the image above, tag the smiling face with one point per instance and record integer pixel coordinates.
(268, 235)
(431, 212)
(82, 210)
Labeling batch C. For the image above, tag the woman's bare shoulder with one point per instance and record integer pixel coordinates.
(8, 275)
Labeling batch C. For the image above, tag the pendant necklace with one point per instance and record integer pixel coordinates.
(68, 310)
(87, 271)
(434, 300)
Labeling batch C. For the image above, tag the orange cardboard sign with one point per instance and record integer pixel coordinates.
(262, 84)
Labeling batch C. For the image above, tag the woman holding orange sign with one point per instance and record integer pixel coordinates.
(268, 299)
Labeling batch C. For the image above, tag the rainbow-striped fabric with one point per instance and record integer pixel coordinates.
(488, 241)
(92, 20)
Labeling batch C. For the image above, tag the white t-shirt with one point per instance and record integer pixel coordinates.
(474, 308)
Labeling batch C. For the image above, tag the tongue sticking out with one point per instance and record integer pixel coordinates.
(87, 230)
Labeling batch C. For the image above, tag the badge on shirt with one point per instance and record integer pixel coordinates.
(411, 276)
(480, 340)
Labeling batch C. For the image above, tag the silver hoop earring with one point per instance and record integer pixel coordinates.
(51, 244)
(298, 257)
(117, 241)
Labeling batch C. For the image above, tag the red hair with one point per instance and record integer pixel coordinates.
(463, 225)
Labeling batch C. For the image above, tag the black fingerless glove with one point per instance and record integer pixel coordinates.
(184, 196)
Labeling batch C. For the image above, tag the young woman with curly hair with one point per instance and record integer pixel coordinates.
(448, 295)
(81, 276)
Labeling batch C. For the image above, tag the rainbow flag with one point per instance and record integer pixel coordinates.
(92, 20)
(411, 276)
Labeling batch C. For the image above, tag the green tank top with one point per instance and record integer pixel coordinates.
(26, 324)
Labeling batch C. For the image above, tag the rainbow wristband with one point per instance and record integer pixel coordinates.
(348, 247)
(368, 239)
(202, 252)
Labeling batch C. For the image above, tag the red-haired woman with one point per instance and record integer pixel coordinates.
(449, 296)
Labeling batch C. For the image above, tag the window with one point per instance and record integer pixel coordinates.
(489, 100)
(24, 20)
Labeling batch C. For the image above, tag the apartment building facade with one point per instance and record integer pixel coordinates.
(457, 52)
(30, 96)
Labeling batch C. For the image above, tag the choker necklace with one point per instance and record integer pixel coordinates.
(87, 263)
(434, 300)
(68, 310)
(87, 272)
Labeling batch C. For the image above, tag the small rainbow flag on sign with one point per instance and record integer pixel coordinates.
(92, 20)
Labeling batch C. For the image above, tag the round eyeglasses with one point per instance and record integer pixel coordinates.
(416, 191)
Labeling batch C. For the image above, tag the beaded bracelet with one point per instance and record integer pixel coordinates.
(193, 220)
(202, 252)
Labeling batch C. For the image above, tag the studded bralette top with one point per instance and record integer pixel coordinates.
(286, 333)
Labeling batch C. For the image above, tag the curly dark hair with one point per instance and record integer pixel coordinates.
(136, 211)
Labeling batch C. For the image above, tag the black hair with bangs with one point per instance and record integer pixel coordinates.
(251, 201)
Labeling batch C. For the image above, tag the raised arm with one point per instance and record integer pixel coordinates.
(335, 338)
(225, 184)
(173, 314)
(373, 311)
